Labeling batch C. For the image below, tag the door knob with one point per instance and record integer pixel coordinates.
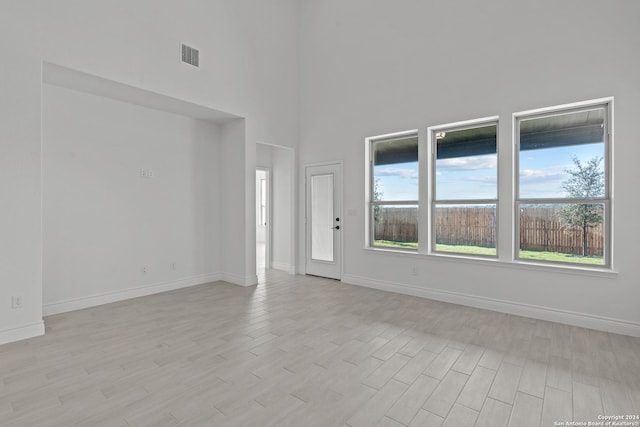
(337, 227)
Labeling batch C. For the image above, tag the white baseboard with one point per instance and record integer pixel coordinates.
(283, 266)
(94, 300)
(22, 332)
(606, 324)
(236, 279)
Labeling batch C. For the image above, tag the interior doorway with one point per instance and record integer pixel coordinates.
(280, 234)
(263, 194)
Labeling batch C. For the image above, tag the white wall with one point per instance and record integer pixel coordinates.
(235, 190)
(283, 186)
(102, 221)
(248, 68)
(374, 67)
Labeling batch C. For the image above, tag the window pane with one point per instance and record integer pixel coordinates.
(563, 156)
(322, 217)
(468, 229)
(396, 226)
(395, 169)
(562, 232)
(466, 164)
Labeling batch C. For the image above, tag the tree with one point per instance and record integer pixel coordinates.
(586, 182)
(377, 196)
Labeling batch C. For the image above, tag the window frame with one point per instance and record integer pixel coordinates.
(432, 198)
(607, 105)
(371, 204)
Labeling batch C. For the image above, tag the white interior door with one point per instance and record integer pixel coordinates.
(323, 220)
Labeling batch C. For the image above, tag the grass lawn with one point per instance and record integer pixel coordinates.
(392, 244)
(561, 257)
(471, 250)
(478, 250)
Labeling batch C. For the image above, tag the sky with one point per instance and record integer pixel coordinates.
(542, 173)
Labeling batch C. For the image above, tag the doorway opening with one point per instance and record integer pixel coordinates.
(279, 233)
(263, 192)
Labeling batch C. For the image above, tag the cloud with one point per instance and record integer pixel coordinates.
(399, 172)
(468, 185)
(468, 163)
(483, 179)
(541, 175)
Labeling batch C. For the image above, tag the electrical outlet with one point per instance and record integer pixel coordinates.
(414, 271)
(145, 269)
(173, 266)
(16, 301)
(147, 173)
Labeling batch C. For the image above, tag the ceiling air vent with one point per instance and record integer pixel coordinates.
(190, 55)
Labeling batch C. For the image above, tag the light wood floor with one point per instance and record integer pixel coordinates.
(305, 351)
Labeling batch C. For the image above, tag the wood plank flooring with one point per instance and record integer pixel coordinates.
(305, 351)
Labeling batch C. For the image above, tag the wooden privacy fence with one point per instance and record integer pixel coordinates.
(397, 224)
(541, 229)
(467, 226)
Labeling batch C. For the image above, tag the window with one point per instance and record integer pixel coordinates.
(442, 197)
(393, 191)
(562, 207)
(464, 188)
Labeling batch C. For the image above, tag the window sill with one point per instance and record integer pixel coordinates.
(398, 251)
(515, 264)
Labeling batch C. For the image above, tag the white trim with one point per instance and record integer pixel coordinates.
(301, 269)
(268, 213)
(563, 107)
(284, 266)
(325, 163)
(424, 191)
(392, 136)
(236, 279)
(109, 297)
(465, 124)
(611, 160)
(584, 320)
(22, 332)
(274, 145)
